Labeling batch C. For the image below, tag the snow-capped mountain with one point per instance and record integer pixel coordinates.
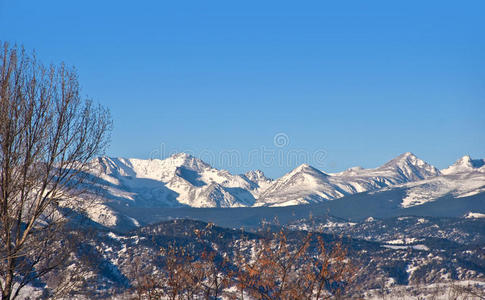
(465, 165)
(260, 181)
(185, 181)
(466, 177)
(407, 167)
(177, 181)
(306, 184)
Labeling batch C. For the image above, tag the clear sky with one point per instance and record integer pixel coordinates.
(357, 81)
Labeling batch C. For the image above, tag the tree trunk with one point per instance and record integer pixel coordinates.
(7, 291)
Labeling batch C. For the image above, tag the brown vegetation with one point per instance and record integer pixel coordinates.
(268, 268)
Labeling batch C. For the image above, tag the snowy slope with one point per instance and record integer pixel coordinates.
(465, 165)
(466, 177)
(185, 181)
(306, 184)
(176, 181)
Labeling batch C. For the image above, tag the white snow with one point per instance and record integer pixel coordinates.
(474, 215)
(400, 247)
(458, 185)
(437, 291)
(465, 165)
(183, 180)
(403, 241)
(178, 180)
(306, 184)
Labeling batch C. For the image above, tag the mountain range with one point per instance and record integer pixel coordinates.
(408, 226)
(182, 180)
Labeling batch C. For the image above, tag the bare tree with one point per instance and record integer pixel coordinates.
(271, 266)
(468, 291)
(188, 274)
(280, 269)
(48, 135)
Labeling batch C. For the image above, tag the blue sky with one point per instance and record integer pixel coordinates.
(360, 81)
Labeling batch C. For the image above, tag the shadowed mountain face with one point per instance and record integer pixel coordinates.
(190, 175)
(195, 183)
(185, 181)
(478, 163)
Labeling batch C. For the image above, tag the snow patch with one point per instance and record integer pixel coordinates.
(474, 215)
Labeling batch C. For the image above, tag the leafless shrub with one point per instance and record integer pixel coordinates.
(266, 268)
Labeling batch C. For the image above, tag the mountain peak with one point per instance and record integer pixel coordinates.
(406, 158)
(181, 155)
(406, 155)
(255, 175)
(303, 166)
(186, 160)
(472, 163)
(465, 164)
(307, 169)
(411, 167)
(352, 171)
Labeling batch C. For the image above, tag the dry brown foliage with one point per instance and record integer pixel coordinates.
(268, 268)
